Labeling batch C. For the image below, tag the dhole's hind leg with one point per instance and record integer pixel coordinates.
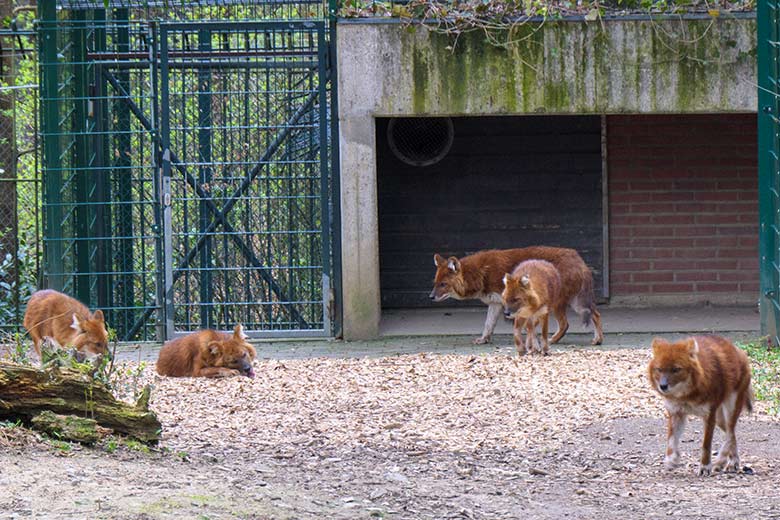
(545, 345)
(563, 325)
(598, 334)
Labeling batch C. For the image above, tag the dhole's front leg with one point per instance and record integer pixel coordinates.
(217, 372)
(705, 468)
(530, 335)
(675, 426)
(519, 325)
(494, 311)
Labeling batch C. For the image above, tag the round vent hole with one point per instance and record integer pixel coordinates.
(420, 141)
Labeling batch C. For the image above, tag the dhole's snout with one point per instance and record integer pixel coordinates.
(508, 312)
(436, 297)
(663, 384)
(246, 369)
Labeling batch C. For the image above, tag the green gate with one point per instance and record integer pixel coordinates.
(188, 178)
(769, 163)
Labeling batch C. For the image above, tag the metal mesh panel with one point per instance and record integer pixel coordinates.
(20, 193)
(101, 235)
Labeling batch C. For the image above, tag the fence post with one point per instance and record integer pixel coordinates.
(50, 134)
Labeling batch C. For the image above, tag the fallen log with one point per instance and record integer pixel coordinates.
(25, 392)
(68, 427)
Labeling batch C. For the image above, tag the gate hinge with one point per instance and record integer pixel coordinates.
(770, 294)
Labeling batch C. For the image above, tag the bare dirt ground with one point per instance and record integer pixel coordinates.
(575, 435)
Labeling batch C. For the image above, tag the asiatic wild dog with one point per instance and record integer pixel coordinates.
(530, 292)
(480, 276)
(207, 353)
(67, 321)
(706, 376)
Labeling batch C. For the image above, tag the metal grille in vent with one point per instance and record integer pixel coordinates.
(420, 141)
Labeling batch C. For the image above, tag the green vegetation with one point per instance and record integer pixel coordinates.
(765, 361)
(471, 14)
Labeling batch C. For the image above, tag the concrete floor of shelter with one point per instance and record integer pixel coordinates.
(622, 320)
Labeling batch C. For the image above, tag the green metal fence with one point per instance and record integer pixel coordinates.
(768, 46)
(188, 181)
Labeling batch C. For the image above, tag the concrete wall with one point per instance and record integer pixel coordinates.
(626, 66)
(683, 208)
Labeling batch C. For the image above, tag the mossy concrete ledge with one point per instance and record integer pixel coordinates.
(613, 66)
(633, 65)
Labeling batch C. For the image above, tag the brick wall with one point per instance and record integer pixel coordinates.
(683, 205)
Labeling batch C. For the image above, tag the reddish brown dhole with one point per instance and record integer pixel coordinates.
(67, 321)
(530, 291)
(706, 376)
(207, 353)
(480, 276)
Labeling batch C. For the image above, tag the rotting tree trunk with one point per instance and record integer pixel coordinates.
(26, 392)
(69, 427)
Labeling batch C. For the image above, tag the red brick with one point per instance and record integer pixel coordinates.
(628, 265)
(717, 196)
(631, 289)
(714, 242)
(696, 276)
(676, 219)
(750, 241)
(673, 265)
(694, 231)
(749, 263)
(737, 276)
(672, 288)
(673, 196)
(717, 287)
(750, 287)
(654, 277)
(718, 264)
(717, 218)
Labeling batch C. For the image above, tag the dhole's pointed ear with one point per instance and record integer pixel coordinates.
(525, 281)
(657, 344)
(238, 332)
(438, 260)
(692, 346)
(453, 264)
(98, 315)
(76, 325)
(213, 347)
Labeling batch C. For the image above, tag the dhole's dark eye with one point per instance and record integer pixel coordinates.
(442, 284)
(675, 370)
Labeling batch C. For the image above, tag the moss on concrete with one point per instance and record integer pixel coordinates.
(566, 67)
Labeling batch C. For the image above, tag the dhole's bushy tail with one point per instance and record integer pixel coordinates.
(749, 401)
(586, 299)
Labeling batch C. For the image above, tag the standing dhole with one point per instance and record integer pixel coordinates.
(67, 321)
(480, 276)
(207, 353)
(706, 376)
(530, 292)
